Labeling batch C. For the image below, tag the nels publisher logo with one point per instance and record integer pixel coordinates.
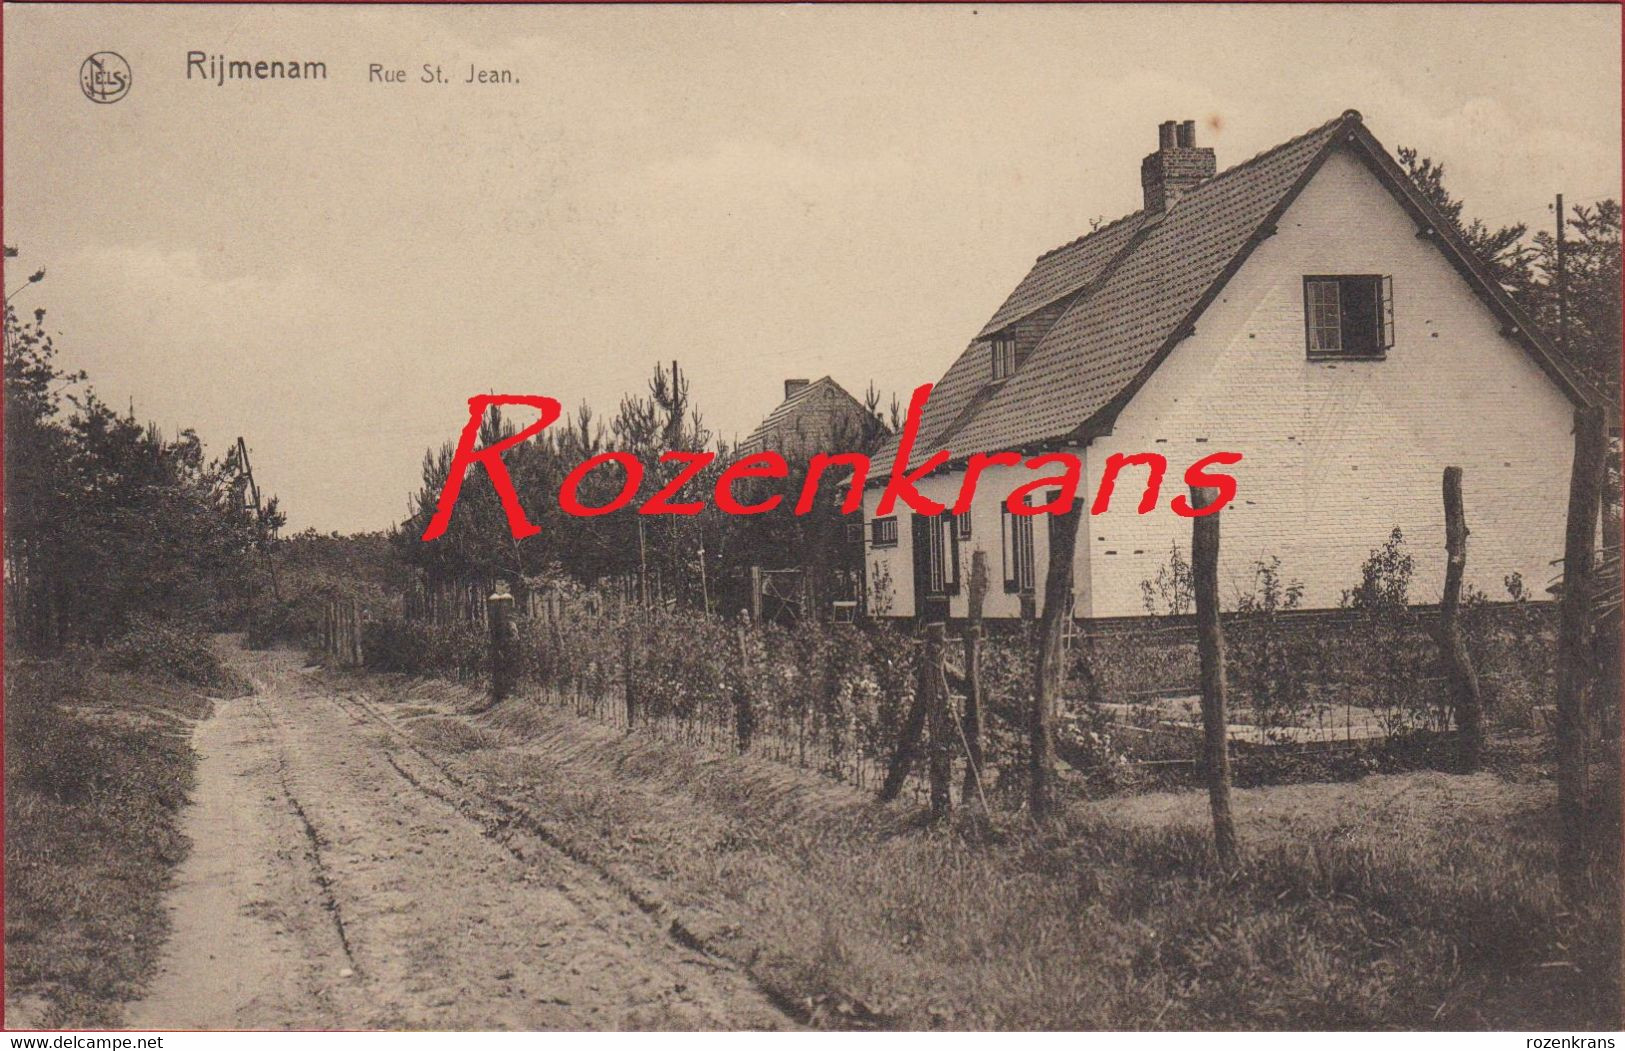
(105, 77)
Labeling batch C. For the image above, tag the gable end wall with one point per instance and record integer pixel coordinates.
(1339, 453)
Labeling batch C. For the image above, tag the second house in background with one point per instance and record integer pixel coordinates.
(816, 416)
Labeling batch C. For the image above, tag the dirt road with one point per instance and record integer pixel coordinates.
(339, 879)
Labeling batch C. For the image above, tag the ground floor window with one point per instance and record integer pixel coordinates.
(936, 554)
(1017, 542)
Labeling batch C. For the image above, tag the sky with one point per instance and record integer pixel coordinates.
(331, 268)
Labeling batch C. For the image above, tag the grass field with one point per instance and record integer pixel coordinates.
(1407, 901)
(97, 770)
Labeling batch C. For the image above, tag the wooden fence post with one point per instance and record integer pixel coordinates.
(1464, 692)
(355, 633)
(935, 685)
(908, 739)
(504, 651)
(1210, 648)
(972, 721)
(555, 633)
(629, 657)
(1047, 674)
(1573, 658)
(744, 717)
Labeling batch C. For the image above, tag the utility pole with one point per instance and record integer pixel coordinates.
(1562, 282)
(259, 516)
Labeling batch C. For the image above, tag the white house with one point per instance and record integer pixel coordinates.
(1307, 309)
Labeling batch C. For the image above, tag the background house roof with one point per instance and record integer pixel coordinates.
(789, 412)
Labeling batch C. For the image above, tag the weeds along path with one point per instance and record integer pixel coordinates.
(338, 879)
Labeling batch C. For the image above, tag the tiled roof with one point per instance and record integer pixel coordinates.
(1130, 288)
(1099, 346)
(1148, 271)
(785, 413)
(1064, 270)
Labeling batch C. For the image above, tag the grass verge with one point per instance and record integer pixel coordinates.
(97, 769)
(1382, 911)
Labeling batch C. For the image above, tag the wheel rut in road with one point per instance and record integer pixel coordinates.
(342, 877)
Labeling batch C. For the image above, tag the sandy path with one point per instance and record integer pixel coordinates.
(338, 881)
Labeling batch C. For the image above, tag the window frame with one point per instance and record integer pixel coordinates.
(962, 525)
(1382, 286)
(942, 556)
(1003, 349)
(883, 531)
(936, 555)
(1017, 552)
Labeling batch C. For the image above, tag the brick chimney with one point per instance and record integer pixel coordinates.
(1177, 165)
(791, 386)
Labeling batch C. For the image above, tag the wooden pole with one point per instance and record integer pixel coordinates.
(1573, 658)
(1210, 649)
(504, 652)
(1464, 692)
(972, 721)
(705, 587)
(908, 741)
(643, 567)
(940, 717)
(629, 658)
(555, 631)
(1047, 676)
(1562, 278)
(744, 716)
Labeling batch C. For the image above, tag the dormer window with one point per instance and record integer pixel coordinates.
(1348, 315)
(1004, 357)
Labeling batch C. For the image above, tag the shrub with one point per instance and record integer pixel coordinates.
(289, 620)
(1514, 649)
(167, 648)
(1390, 653)
(1173, 592)
(390, 642)
(1269, 660)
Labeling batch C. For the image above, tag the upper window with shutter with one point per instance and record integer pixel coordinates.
(1348, 315)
